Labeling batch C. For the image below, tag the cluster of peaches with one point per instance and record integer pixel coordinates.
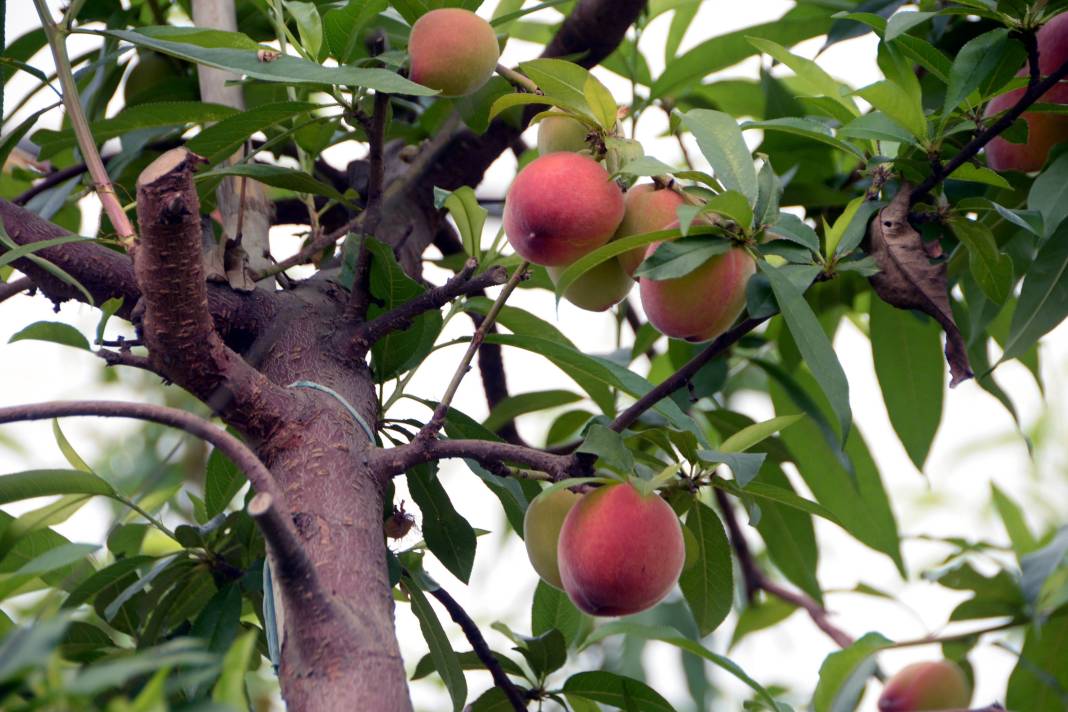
(563, 205)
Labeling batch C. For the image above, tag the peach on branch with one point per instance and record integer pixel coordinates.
(937, 685)
(647, 208)
(701, 305)
(598, 289)
(452, 50)
(1044, 129)
(561, 133)
(541, 530)
(620, 551)
(560, 207)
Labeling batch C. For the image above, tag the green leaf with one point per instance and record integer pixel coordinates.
(876, 126)
(222, 480)
(219, 141)
(545, 653)
(276, 176)
(813, 344)
(309, 25)
(790, 227)
(726, 50)
(1012, 517)
(447, 533)
(44, 264)
(113, 674)
(811, 78)
(563, 83)
(671, 636)
(760, 615)
(617, 247)
(757, 433)
(469, 217)
(844, 674)
(851, 226)
(979, 174)
(42, 483)
(991, 269)
(441, 652)
(397, 351)
(30, 646)
(617, 690)
(721, 143)
(858, 502)
(902, 22)
(708, 585)
(1037, 566)
(888, 98)
(608, 446)
(469, 660)
(1039, 682)
(806, 128)
(230, 688)
(1049, 194)
(342, 26)
(231, 51)
(975, 61)
(907, 350)
(789, 535)
(54, 331)
(680, 257)
(1043, 301)
(552, 609)
(732, 205)
(135, 118)
(744, 466)
(514, 406)
(601, 102)
(58, 557)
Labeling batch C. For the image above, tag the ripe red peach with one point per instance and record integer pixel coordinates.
(646, 209)
(561, 133)
(560, 207)
(701, 305)
(541, 530)
(1044, 129)
(602, 287)
(620, 552)
(938, 685)
(452, 50)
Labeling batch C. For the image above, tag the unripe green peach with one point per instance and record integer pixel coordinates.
(560, 207)
(541, 530)
(561, 133)
(701, 305)
(452, 50)
(1044, 129)
(939, 685)
(598, 289)
(646, 209)
(620, 551)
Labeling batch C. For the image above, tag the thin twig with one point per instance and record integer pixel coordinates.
(481, 648)
(15, 287)
(360, 296)
(127, 358)
(1035, 90)
(431, 429)
(257, 473)
(681, 377)
(517, 79)
(86, 143)
(489, 453)
(290, 563)
(400, 318)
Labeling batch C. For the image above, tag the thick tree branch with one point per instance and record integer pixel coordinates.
(1033, 93)
(681, 377)
(461, 284)
(481, 648)
(398, 460)
(258, 475)
(177, 325)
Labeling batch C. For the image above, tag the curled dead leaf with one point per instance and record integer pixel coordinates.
(909, 280)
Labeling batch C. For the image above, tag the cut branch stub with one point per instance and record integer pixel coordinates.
(909, 280)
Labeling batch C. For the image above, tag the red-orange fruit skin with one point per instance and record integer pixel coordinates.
(1044, 130)
(560, 207)
(452, 50)
(646, 209)
(620, 552)
(924, 687)
(701, 305)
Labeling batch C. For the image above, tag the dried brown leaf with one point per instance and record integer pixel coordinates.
(909, 280)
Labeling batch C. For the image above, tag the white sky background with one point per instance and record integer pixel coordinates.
(976, 445)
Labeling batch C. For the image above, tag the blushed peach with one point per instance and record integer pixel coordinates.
(938, 685)
(452, 50)
(646, 209)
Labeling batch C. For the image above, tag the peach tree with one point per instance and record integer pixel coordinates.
(928, 207)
